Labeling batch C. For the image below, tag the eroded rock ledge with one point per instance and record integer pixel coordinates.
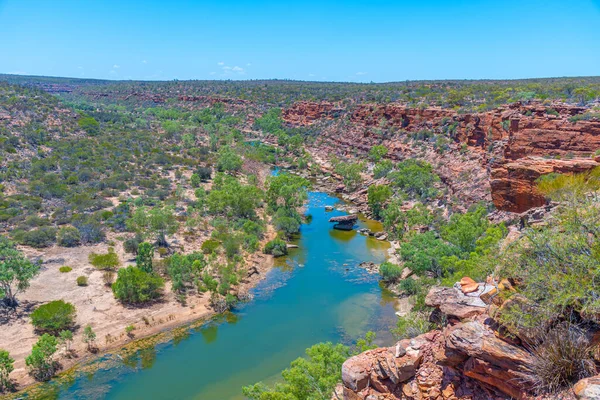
(468, 359)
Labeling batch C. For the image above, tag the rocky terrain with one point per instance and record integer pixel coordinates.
(495, 155)
(470, 358)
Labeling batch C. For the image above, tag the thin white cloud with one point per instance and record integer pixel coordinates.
(361, 73)
(248, 65)
(220, 63)
(311, 75)
(228, 70)
(144, 62)
(116, 66)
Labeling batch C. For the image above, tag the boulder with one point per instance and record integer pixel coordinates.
(468, 285)
(406, 272)
(453, 302)
(588, 388)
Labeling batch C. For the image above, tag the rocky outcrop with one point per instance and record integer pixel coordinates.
(509, 147)
(306, 113)
(468, 359)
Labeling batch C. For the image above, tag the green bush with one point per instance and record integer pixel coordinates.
(409, 286)
(68, 236)
(6, 367)
(145, 254)
(65, 268)
(276, 247)
(54, 317)
(135, 286)
(82, 281)
(106, 261)
(42, 237)
(209, 246)
(412, 325)
(389, 272)
(415, 178)
(40, 362)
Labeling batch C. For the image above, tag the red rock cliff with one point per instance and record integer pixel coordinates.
(510, 147)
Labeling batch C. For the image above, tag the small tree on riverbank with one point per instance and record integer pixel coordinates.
(40, 362)
(6, 367)
(89, 338)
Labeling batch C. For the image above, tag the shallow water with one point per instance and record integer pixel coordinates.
(318, 293)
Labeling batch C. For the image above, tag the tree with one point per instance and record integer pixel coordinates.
(66, 339)
(228, 161)
(16, 271)
(377, 153)
(40, 362)
(377, 196)
(415, 177)
(184, 270)
(287, 190)
(54, 317)
(195, 180)
(351, 172)
(276, 247)
(156, 222)
(6, 367)
(136, 286)
(313, 377)
(68, 236)
(89, 337)
(463, 230)
(389, 272)
(145, 253)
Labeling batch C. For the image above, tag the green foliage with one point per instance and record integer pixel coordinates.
(276, 247)
(39, 238)
(382, 168)
(89, 124)
(228, 161)
(463, 230)
(16, 271)
(145, 254)
(54, 317)
(313, 377)
(232, 199)
(65, 268)
(209, 246)
(89, 337)
(377, 196)
(412, 325)
(415, 178)
(108, 261)
(66, 339)
(135, 286)
(40, 362)
(185, 270)
(270, 121)
(351, 172)
(82, 280)
(287, 190)
(195, 180)
(424, 252)
(389, 272)
(287, 221)
(6, 367)
(156, 222)
(68, 236)
(409, 286)
(377, 153)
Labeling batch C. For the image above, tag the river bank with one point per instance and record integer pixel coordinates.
(317, 293)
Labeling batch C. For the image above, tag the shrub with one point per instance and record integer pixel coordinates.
(68, 236)
(144, 257)
(415, 178)
(409, 286)
(209, 246)
(65, 268)
(276, 247)
(89, 337)
(82, 281)
(54, 317)
(389, 272)
(108, 277)
(562, 358)
(131, 245)
(106, 261)
(136, 286)
(6, 367)
(42, 237)
(412, 325)
(40, 362)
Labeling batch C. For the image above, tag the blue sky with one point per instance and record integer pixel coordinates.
(307, 40)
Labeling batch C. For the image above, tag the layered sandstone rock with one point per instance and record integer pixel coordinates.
(510, 147)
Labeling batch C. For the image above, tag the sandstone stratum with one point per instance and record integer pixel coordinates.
(508, 147)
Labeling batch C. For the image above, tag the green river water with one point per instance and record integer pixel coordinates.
(317, 293)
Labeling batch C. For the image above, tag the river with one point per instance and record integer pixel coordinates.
(317, 293)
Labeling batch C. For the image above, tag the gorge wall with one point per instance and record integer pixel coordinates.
(495, 155)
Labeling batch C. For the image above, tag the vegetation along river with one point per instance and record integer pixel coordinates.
(317, 293)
